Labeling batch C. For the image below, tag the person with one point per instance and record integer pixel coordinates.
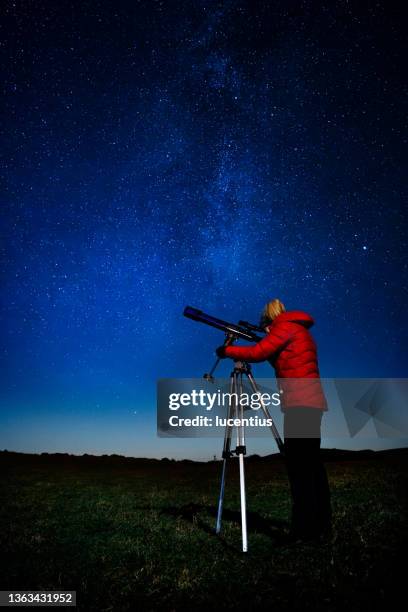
(291, 350)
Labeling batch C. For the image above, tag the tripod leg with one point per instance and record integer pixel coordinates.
(267, 414)
(243, 504)
(241, 450)
(226, 454)
(221, 498)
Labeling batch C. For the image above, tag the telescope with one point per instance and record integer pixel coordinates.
(243, 330)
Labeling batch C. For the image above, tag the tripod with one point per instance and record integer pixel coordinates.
(236, 411)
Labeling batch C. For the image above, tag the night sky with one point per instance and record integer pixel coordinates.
(218, 154)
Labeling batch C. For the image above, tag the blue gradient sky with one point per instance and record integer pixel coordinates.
(216, 154)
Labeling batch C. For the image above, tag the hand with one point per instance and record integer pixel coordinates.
(220, 352)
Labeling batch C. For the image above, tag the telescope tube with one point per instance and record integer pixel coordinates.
(229, 328)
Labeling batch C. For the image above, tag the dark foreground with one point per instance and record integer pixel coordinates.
(138, 534)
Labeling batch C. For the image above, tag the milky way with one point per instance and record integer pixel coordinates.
(217, 154)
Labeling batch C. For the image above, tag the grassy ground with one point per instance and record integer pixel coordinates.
(129, 535)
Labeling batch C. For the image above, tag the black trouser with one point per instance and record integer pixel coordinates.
(311, 509)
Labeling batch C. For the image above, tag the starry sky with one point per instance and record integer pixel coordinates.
(212, 153)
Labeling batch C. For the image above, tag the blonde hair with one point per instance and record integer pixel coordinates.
(272, 310)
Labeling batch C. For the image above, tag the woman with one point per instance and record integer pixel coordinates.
(291, 350)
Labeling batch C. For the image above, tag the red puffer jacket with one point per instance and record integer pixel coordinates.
(291, 350)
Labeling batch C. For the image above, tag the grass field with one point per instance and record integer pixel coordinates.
(138, 534)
